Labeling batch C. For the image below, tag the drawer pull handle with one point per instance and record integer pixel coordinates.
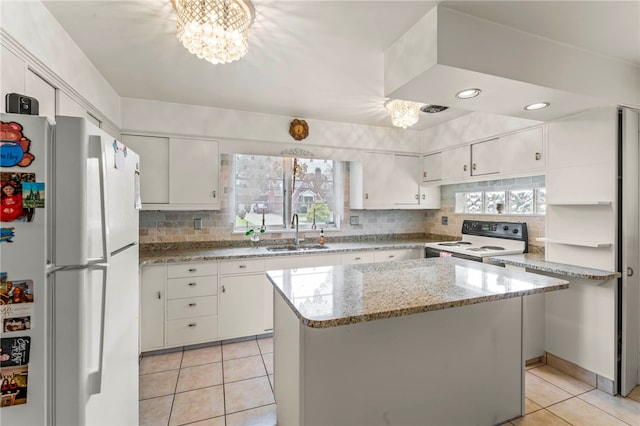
(193, 284)
(159, 295)
(192, 304)
(242, 266)
(193, 324)
(192, 269)
(391, 256)
(358, 258)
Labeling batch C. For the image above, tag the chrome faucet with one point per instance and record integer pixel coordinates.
(294, 222)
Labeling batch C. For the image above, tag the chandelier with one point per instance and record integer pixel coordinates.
(215, 30)
(403, 113)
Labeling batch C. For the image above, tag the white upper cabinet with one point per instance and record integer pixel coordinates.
(44, 92)
(523, 150)
(193, 166)
(455, 163)
(432, 167)
(486, 158)
(513, 154)
(388, 181)
(177, 174)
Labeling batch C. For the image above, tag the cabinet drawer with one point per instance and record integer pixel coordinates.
(178, 288)
(242, 266)
(192, 330)
(400, 254)
(192, 307)
(355, 258)
(195, 269)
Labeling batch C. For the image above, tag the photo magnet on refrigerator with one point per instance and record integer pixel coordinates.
(33, 195)
(120, 154)
(13, 390)
(12, 206)
(6, 235)
(14, 146)
(14, 351)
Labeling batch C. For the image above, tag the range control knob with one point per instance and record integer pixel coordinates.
(505, 228)
(515, 231)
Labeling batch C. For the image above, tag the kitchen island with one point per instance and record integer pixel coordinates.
(428, 341)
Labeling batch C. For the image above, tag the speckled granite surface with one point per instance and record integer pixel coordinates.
(338, 295)
(203, 254)
(538, 263)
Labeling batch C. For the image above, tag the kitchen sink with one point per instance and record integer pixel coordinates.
(302, 247)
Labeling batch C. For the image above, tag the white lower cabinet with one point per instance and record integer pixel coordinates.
(178, 304)
(152, 301)
(246, 306)
(197, 302)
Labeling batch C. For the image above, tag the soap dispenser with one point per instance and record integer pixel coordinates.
(322, 237)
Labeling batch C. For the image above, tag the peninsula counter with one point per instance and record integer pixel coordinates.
(428, 341)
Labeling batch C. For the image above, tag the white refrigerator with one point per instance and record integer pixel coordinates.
(73, 341)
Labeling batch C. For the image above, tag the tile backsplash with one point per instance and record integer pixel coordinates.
(535, 223)
(178, 226)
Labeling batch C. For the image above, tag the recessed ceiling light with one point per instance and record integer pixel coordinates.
(468, 93)
(537, 105)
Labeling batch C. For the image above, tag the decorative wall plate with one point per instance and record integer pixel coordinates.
(299, 129)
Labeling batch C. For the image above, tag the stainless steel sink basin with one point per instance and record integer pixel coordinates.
(303, 247)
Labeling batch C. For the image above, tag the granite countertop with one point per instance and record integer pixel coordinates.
(338, 295)
(538, 263)
(204, 254)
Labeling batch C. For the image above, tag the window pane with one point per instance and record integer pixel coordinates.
(491, 199)
(541, 200)
(259, 188)
(521, 201)
(473, 202)
(313, 192)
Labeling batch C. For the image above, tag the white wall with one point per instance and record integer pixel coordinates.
(240, 131)
(469, 128)
(36, 40)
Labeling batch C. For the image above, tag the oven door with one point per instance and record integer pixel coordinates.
(432, 252)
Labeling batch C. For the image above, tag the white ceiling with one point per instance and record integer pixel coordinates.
(311, 59)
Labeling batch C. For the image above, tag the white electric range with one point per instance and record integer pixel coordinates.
(483, 239)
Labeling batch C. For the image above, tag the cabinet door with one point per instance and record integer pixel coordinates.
(404, 178)
(522, 151)
(430, 197)
(69, 107)
(486, 157)
(154, 167)
(432, 167)
(194, 168)
(241, 310)
(267, 322)
(12, 72)
(152, 301)
(455, 163)
(378, 187)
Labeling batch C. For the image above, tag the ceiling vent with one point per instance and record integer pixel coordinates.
(432, 109)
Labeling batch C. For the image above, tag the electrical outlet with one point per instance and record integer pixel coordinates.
(445, 220)
(197, 224)
(354, 220)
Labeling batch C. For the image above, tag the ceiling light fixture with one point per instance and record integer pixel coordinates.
(403, 113)
(468, 93)
(537, 105)
(214, 30)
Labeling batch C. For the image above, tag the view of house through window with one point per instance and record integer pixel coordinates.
(274, 188)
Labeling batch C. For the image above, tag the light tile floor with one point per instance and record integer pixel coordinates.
(232, 385)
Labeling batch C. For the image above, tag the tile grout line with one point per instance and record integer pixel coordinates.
(604, 411)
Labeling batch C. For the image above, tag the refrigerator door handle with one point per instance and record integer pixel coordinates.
(95, 377)
(95, 150)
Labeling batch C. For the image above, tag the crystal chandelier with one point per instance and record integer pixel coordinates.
(403, 113)
(215, 30)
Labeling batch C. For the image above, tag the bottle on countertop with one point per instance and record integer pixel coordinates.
(322, 237)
